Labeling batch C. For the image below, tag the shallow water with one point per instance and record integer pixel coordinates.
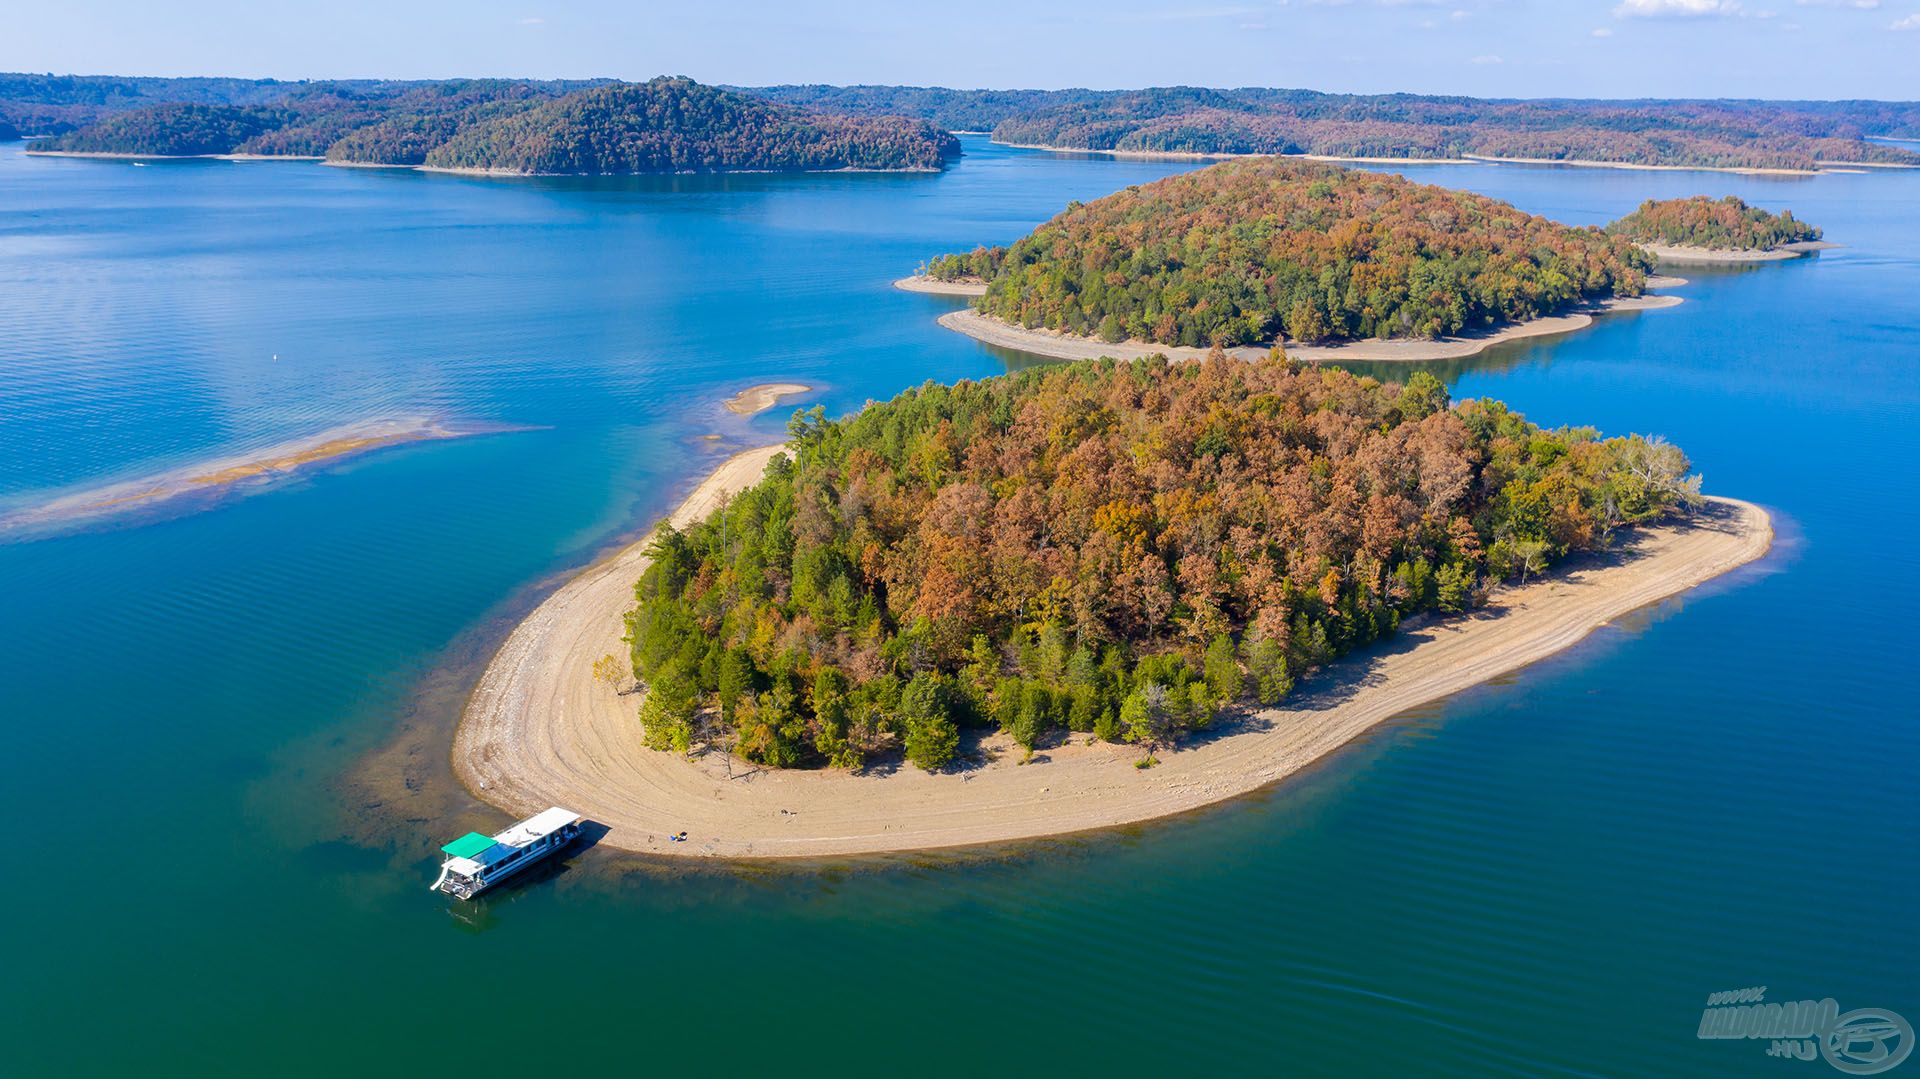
(1545, 875)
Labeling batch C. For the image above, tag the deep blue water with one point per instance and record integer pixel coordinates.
(1545, 875)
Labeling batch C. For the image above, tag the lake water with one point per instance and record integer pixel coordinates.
(1546, 875)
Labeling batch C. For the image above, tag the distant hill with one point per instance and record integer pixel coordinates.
(1727, 224)
(1248, 251)
(34, 104)
(367, 120)
(666, 125)
(678, 125)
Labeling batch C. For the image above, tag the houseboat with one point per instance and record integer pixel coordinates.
(477, 862)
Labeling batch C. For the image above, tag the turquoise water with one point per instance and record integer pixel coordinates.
(1546, 875)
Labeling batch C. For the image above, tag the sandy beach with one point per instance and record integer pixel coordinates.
(1065, 346)
(757, 399)
(1580, 163)
(1228, 155)
(1687, 255)
(538, 730)
(920, 283)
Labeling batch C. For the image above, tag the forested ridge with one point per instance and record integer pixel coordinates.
(1122, 549)
(1246, 251)
(1722, 224)
(516, 126)
(677, 125)
(1188, 119)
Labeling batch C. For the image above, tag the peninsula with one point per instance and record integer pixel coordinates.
(1032, 586)
(1702, 231)
(1265, 251)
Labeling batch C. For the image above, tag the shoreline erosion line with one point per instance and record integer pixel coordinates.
(1690, 255)
(1819, 168)
(538, 729)
(1065, 346)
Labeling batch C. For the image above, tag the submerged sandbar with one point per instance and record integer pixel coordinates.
(757, 399)
(207, 480)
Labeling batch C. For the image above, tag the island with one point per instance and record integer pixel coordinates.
(1076, 597)
(1332, 263)
(498, 127)
(1702, 230)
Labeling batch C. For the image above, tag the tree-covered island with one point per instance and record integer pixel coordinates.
(1253, 250)
(1122, 549)
(1726, 224)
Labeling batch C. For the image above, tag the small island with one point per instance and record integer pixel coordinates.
(1332, 263)
(1702, 230)
(504, 127)
(1079, 596)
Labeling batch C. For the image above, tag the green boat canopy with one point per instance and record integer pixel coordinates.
(467, 846)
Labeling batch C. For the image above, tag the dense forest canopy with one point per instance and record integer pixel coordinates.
(1722, 224)
(1248, 250)
(1117, 548)
(517, 126)
(951, 110)
(1186, 119)
(678, 125)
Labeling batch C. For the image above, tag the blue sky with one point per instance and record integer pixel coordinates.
(1520, 48)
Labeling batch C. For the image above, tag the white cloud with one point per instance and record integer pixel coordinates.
(1675, 9)
(1863, 5)
(1488, 59)
(1911, 22)
(1603, 32)
(533, 20)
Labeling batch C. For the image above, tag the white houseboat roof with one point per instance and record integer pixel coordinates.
(544, 823)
